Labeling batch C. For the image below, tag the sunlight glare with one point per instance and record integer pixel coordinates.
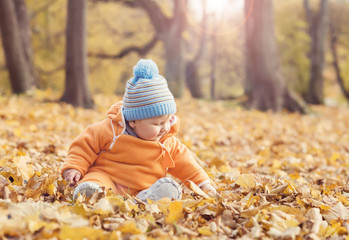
(217, 6)
(220, 6)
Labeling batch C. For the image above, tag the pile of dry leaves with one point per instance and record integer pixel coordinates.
(278, 176)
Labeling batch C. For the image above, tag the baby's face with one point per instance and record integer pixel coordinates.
(152, 129)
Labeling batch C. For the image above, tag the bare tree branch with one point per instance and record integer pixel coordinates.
(129, 3)
(42, 8)
(140, 50)
(157, 17)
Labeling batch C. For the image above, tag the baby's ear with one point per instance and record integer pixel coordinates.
(132, 124)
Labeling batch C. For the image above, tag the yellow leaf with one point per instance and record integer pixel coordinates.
(294, 175)
(175, 212)
(246, 181)
(17, 132)
(24, 168)
(115, 235)
(205, 231)
(124, 206)
(33, 128)
(343, 199)
(129, 227)
(333, 159)
(51, 189)
(250, 212)
(335, 228)
(325, 207)
(35, 225)
(103, 207)
(276, 164)
(77, 233)
(224, 169)
(163, 205)
(79, 208)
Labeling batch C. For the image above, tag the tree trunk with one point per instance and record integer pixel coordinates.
(174, 65)
(265, 85)
(192, 77)
(335, 62)
(17, 65)
(171, 35)
(213, 59)
(169, 31)
(76, 87)
(317, 30)
(25, 33)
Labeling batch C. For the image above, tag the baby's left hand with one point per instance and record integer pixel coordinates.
(209, 189)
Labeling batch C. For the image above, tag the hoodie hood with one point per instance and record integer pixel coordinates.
(115, 113)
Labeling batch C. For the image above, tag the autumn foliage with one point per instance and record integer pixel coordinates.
(278, 175)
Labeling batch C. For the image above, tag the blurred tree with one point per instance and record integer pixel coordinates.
(213, 60)
(317, 22)
(338, 20)
(192, 65)
(294, 43)
(76, 88)
(169, 31)
(25, 35)
(265, 85)
(16, 44)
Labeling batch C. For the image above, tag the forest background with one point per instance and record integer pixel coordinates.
(212, 37)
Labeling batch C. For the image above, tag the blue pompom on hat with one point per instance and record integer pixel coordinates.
(147, 94)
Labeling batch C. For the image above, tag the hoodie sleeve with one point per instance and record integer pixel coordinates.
(186, 167)
(85, 148)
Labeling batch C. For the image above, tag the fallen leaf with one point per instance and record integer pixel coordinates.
(205, 231)
(315, 216)
(129, 227)
(68, 232)
(247, 181)
(175, 212)
(197, 190)
(337, 212)
(288, 233)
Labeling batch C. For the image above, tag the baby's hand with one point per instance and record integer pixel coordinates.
(72, 176)
(209, 189)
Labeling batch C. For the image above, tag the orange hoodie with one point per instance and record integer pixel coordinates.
(127, 164)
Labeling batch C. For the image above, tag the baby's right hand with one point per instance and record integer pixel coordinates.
(72, 176)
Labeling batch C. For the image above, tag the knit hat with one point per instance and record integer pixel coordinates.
(147, 94)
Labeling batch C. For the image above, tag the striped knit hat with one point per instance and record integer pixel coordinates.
(147, 94)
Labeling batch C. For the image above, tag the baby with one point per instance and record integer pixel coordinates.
(134, 147)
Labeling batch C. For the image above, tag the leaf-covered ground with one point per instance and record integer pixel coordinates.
(278, 176)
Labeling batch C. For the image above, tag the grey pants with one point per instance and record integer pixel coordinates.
(164, 187)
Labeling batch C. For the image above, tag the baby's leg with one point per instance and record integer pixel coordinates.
(87, 189)
(92, 182)
(164, 187)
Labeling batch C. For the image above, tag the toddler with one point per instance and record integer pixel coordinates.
(134, 147)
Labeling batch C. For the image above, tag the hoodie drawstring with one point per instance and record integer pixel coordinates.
(114, 137)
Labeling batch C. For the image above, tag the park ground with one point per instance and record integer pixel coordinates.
(278, 175)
